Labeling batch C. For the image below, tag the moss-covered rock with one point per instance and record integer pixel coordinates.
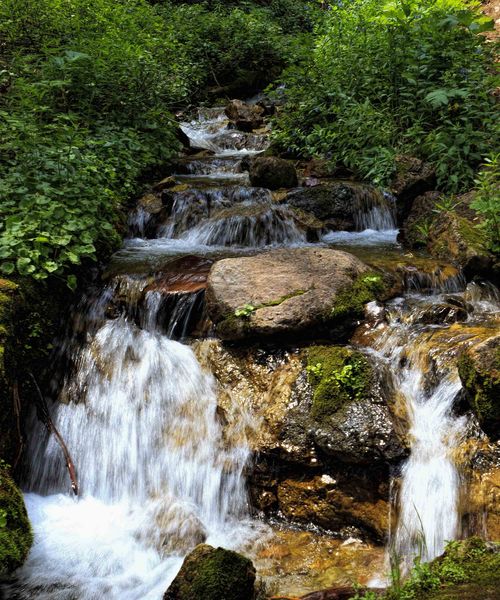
(469, 569)
(213, 574)
(338, 375)
(350, 301)
(352, 409)
(479, 370)
(15, 531)
(287, 294)
(455, 237)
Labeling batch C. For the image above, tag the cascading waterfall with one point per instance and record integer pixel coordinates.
(427, 502)
(135, 412)
(157, 473)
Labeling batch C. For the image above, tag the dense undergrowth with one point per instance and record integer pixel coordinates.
(86, 95)
(398, 76)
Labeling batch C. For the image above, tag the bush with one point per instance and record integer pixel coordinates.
(402, 76)
(487, 200)
(86, 90)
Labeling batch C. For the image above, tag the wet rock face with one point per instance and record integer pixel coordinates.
(324, 463)
(246, 117)
(479, 370)
(483, 493)
(413, 231)
(336, 204)
(279, 293)
(350, 418)
(321, 500)
(413, 177)
(456, 238)
(272, 173)
(212, 574)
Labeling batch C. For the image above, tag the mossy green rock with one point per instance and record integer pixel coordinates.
(351, 415)
(15, 531)
(479, 370)
(213, 574)
(292, 293)
(456, 238)
(338, 375)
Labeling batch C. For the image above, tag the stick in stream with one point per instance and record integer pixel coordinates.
(53, 429)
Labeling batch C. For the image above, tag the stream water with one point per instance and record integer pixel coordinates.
(140, 417)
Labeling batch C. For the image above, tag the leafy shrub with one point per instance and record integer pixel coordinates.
(86, 90)
(487, 200)
(404, 75)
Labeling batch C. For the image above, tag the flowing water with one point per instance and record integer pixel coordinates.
(420, 355)
(156, 472)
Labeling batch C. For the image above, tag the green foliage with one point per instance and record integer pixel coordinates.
(487, 200)
(338, 375)
(445, 204)
(84, 111)
(406, 76)
(245, 311)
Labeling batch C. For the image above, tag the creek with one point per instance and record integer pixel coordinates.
(158, 470)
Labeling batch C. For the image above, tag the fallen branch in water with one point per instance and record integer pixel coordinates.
(44, 411)
(17, 413)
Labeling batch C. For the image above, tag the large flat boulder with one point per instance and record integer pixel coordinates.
(293, 292)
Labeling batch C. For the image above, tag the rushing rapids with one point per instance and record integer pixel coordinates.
(160, 469)
(418, 352)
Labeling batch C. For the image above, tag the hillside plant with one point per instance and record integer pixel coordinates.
(397, 76)
(87, 96)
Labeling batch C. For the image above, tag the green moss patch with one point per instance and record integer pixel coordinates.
(212, 574)
(15, 531)
(338, 376)
(349, 302)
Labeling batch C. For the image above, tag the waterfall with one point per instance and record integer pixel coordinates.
(156, 476)
(427, 503)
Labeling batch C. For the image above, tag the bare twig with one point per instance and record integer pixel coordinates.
(44, 410)
(17, 412)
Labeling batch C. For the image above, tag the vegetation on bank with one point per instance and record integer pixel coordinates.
(87, 91)
(469, 569)
(399, 76)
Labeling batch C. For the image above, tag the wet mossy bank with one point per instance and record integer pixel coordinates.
(30, 316)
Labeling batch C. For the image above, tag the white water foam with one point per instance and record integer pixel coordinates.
(156, 476)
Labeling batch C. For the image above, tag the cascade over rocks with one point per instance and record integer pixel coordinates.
(336, 204)
(299, 470)
(280, 293)
(272, 173)
(213, 574)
